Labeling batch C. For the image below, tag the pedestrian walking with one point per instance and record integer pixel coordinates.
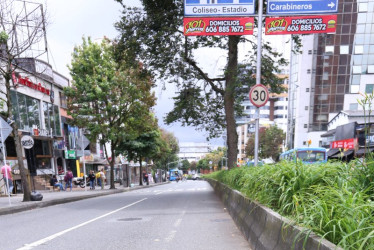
(69, 180)
(98, 178)
(56, 183)
(145, 177)
(92, 178)
(156, 177)
(6, 171)
(102, 177)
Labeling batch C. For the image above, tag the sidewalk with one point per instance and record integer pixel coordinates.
(51, 198)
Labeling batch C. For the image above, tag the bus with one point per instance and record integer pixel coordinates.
(306, 155)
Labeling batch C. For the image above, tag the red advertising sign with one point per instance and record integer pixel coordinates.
(218, 26)
(344, 144)
(300, 25)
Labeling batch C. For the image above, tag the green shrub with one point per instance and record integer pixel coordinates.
(335, 200)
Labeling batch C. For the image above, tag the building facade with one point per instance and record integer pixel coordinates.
(332, 69)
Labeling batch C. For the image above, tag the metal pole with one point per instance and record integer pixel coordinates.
(4, 159)
(258, 73)
(84, 163)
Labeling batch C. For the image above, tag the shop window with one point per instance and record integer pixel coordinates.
(26, 111)
(329, 50)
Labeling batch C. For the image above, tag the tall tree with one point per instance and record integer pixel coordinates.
(270, 142)
(145, 146)
(107, 98)
(16, 42)
(168, 151)
(154, 36)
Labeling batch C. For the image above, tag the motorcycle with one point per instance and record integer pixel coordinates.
(79, 181)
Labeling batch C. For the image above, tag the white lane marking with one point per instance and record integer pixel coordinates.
(177, 223)
(49, 238)
(171, 236)
(159, 193)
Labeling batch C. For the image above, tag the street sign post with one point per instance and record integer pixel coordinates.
(259, 95)
(300, 7)
(218, 8)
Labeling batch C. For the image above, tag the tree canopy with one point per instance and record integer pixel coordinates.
(270, 141)
(154, 36)
(108, 98)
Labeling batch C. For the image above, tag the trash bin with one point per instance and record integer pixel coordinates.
(36, 196)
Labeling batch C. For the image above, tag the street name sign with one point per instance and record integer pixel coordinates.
(259, 95)
(287, 7)
(218, 7)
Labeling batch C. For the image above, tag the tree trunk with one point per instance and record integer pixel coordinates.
(141, 172)
(229, 99)
(17, 142)
(112, 163)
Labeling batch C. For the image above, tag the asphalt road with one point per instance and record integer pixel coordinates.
(184, 215)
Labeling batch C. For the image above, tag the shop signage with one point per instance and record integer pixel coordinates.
(222, 26)
(27, 141)
(70, 154)
(279, 7)
(344, 144)
(300, 25)
(59, 144)
(26, 82)
(218, 7)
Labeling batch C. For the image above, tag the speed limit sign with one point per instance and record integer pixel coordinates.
(259, 95)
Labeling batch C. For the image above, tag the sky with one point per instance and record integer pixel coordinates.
(70, 20)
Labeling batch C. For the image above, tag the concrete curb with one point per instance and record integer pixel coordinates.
(264, 228)
(40, 204)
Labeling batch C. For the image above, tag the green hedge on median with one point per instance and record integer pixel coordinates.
(335, 200)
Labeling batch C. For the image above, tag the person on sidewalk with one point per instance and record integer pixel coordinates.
(92, 178)
(68, 180)
(6, 171)
(56, 183)
(102, 177)
(98, 178)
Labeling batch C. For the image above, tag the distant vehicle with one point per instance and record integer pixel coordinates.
(196, 177)
(306, 155)
(252, 163)
(173, 174)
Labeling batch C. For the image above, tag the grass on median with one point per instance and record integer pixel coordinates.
(335, 200)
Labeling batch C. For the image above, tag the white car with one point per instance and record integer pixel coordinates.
(196, 177)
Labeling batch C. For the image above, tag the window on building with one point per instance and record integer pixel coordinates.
(26, 111)
(310, 52)
(52, 118)
(353, 106)
(356, 69)
(359, 49)
(307, 90)
(308, 71)
(304, 142)
(369, 88)
(306, 107)
(329, 50)
(363, 7)
(355, 89)
(305, 125)
(344, 49)
(63, 100)
(370, 69)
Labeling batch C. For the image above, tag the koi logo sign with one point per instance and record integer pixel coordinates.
(194, 26)
(277, 25)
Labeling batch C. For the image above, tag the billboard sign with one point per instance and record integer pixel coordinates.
(344, 144)
(218, 26)
(286, 7)
(300, 25)
(218, 7)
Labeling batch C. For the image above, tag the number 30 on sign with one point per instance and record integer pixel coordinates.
(259, 95)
